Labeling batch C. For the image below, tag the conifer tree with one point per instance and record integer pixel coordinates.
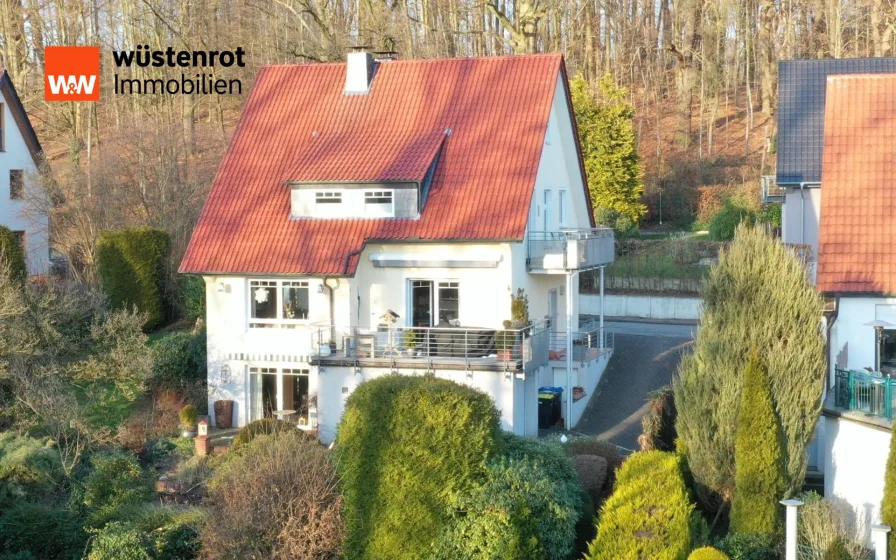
(758, 457)
(609, 149)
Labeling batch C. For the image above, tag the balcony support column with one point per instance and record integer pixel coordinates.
(603, 338)
(570, 274)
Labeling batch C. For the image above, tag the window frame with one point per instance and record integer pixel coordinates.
(328, 203)
(19, 193)
(280, 374)
(379, 209)
(561, 207)
(279, 321)
(436, 285)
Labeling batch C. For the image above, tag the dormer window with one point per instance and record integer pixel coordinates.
(328, 203)
(379, 204)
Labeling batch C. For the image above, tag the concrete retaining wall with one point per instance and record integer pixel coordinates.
(644, 307)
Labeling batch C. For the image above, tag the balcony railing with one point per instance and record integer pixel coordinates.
(771, 192)
(572, 249)
(865, 392)
(523, 349)
(588, 343)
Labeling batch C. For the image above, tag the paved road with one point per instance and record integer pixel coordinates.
(645, 358)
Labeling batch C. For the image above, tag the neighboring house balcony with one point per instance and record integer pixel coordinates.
(590, 342)
(771, 192)
(863, 394)
(569, 250)
(518, 351)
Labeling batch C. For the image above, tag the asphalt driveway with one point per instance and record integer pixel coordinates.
(646, 356)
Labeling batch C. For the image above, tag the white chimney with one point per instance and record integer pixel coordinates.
(358, 73)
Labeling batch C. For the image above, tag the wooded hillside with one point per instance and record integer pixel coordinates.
(700, 74)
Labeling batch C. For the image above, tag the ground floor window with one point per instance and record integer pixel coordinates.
(281, 393)
(435, 302)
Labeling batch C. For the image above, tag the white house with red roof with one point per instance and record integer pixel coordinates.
(375, 217)
(20, 156)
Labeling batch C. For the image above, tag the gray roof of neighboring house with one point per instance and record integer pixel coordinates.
(801, 94)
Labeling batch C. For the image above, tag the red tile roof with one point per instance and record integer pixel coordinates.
(297, 125)
(857, 238)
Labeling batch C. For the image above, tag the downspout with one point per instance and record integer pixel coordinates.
(332, 306)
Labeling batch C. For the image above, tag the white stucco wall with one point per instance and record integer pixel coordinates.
(646, 307)
(16, 214)
(855, 459)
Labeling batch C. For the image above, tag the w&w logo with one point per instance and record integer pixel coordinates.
(71, 73)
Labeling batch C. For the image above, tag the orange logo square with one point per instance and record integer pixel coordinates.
(72, 73)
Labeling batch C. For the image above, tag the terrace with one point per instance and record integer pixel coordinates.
(867, 394)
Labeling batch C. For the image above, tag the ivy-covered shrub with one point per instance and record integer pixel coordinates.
(116, 480)
(759, 457)
(407, 448)
(29, 468)
(751, 546)
(45, 531)
(527, 507)
(132, 267)
(11, 255)
(708, 553)
(649, 514)
(178, 359)
(725, 222)
(262, 427)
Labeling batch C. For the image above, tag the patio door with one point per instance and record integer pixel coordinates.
(421, 303)
(434, 302)
(264, 396)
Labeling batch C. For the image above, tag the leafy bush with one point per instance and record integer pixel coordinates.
(119, 541)
(193, 298)
(263, 427)
(658, 425)
(12, 258)
(527, 507)
(759, 457)
(725, 222)
(649, 514)
(707, 553)
(44, 531)
(178, 359)
(28, 467)
(147, 532)
(837, 550)
(407, 448)
(188, 417)
(820, 522)
(750, 546)
(132, 267)
(277, 500)
(621, 223)
(771, 214)
(115, 481)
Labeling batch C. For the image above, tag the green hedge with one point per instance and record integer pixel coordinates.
(45, 531)
(526, 509)
(11, 254)
(116, 480)
(649, 514)
(407, 448)
(149, 532)
(132, 265)
(751, 546)
(723, 224)
(178, 359)
(888, 504)
(708, 553)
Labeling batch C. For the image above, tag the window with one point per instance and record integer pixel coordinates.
(277, 302)
(547, 210)
(283, 393)
(561, 207)
(328, 197)
(378, 203)
(444, 307)
(20, 237)
(16, 184)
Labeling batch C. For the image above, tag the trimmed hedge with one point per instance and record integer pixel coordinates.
(649, 514)
(406, 450)
(178, 359)
(751, 546)
(11, 254)
(527, 508)
(131, 265)
(262, 427)
(708, 553)
(759, 456)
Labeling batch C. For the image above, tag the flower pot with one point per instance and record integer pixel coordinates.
(325, 350)
(505, 355)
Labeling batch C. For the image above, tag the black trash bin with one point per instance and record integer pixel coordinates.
(549, 406)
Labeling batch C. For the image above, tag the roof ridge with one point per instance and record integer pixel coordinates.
(408, 61)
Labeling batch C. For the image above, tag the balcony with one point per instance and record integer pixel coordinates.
(459, 348)
(588, 343)
(865, 393)
(559, 252)
(771, 192)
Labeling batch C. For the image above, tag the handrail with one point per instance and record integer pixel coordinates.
(865, 392)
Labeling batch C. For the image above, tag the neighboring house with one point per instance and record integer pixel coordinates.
(375, 217)
(801, 125)
(20, 154)
(857, 273)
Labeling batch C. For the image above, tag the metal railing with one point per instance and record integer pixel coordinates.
(525, 348)
(588, 343)
(771, 192)
(865, 392)
(570, 249)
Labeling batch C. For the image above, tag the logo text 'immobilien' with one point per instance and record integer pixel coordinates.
(72, 73)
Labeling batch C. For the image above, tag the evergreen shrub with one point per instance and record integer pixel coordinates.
(751, 546)
(28, 467)
(11, 255)
(178, 359)
(888, 504)
(708, 553)
(725, 222)
(132, 268)
(406, 450)
(45, 531)
(649, 514)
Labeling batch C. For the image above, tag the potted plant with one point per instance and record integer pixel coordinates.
(504, 342)
(188, 417)
(324, 349)
(410, 342)
(519, 309)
